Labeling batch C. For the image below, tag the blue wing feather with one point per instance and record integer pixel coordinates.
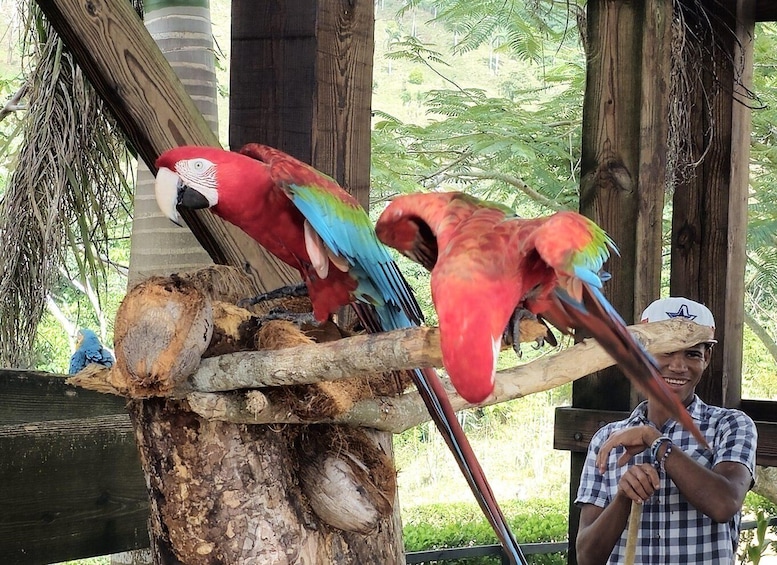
(90, 350)
(347, 231)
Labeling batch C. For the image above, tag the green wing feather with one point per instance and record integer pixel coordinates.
(345, 228)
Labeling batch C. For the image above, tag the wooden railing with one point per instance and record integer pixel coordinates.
(70, 479)
(71, 484)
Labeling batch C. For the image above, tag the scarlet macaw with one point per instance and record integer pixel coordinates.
(307, 220)
(89, 350)
(487, 264)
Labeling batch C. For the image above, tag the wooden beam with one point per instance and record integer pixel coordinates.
(70, 489)
(609, 180)
(574, 428)
(738, 198)
(123, 63)
(33, 396)
(766, 11)
(70, 478)
(655, 76)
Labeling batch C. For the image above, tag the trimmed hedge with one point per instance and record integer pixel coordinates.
(438, 526)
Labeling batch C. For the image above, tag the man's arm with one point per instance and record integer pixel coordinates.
(717, 492)
(601, 528)
(599, 531)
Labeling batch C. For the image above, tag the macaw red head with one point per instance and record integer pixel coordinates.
(187, 177)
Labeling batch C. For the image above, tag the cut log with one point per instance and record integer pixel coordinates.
(163, 327)
(222, 493)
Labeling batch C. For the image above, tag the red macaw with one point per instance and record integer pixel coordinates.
(487, 264)
(307, 220)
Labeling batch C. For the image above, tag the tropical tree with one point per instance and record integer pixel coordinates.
(182, 30)
(69, 184)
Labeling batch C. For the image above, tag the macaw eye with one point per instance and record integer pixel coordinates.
(199, 165)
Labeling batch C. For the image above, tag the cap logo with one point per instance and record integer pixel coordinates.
(682, 313)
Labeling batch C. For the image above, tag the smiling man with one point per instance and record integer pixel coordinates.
(691, 496)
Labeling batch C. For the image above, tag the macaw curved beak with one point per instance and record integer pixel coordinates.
(171, 192)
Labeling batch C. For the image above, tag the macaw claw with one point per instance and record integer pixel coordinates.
(524, 327)
(290, 291)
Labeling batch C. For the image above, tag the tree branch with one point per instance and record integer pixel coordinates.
(165, 326)
(518, 183)
(13, 104)
(367, 354)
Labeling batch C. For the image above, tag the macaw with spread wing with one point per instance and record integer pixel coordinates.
(307, 220)
(489, 265)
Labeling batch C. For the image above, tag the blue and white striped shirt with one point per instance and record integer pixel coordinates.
(672, 530)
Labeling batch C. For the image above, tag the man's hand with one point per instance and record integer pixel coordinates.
(635, 440)
(639, 482)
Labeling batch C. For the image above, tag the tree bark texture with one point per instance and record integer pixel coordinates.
(229, 493)
(225, 493)
(709, 216)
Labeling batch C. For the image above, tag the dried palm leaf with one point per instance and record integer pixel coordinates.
(68, 195)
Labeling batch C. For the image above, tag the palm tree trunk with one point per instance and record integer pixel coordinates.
(184, 36)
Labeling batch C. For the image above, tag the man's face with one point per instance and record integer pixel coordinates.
(682, 370)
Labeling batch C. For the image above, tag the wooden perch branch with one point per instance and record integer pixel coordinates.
(396, 414)
(357, 356)
(165, 327)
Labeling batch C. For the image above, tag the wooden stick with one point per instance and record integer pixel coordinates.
(635, 516)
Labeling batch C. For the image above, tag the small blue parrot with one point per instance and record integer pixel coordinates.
(89, 350)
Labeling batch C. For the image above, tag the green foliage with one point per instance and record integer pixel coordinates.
(416, 77)
(754, 544)
(526, 27)
(438, 526)
(761, 270)
(759, 379)
(514, 140)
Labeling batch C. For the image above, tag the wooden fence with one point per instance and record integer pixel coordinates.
(71, 485)
(70, 481)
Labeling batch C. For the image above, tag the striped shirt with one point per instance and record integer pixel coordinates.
(671, 530)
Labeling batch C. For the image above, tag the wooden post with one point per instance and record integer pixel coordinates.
(710, 212)
(302, 82)
(623, 173)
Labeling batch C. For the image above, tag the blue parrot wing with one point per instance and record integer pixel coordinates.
(345, 228)
(77, 362)
(89, 351)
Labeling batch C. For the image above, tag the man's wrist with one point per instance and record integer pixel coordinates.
(650, 436)
(660, 450)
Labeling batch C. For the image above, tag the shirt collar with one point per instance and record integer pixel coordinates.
(697, 409)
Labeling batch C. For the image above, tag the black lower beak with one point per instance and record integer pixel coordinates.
(190, 198)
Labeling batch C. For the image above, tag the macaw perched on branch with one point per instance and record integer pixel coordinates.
(307, 220)
(89, 350)
(490, 268)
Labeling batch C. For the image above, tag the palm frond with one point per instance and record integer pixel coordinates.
(68, 194)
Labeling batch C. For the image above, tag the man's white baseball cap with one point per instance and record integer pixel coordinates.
(679, 307)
